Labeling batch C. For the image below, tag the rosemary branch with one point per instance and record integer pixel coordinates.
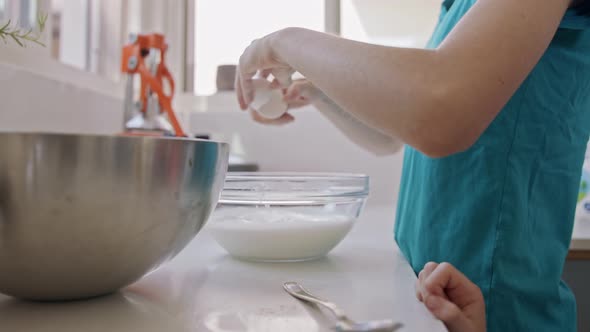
(24, 36)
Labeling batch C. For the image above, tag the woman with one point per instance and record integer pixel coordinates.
(495, 115)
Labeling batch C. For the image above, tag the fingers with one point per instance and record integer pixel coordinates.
(275, 84)
(294, 97)
(448, 312)
(451, 297)
(254, 59)
(442, 277)
(246, 72)
(239, 93)
(257, 58)
(247, 88)
(293, 92)
(418, 290)
(300, 94)
(448, 281)
(428, 269)
(243, 84)
(283, 76)
(265, 73)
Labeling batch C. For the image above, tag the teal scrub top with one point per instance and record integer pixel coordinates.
(503, 211)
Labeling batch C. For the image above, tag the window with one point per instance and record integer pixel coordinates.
(22, 11)
(389, 22)
(3, 10)
(71, 31)
(224, 28)
(89, 34)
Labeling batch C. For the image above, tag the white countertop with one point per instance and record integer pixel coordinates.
(203, 289)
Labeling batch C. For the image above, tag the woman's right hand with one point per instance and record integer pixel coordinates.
(299, 94)
(302, 93)
(260, 58)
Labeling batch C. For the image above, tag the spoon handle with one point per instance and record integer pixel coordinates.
(297, 291)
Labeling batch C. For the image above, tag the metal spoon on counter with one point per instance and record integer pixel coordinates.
(343, 323)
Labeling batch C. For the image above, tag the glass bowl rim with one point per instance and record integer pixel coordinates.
(242, 187)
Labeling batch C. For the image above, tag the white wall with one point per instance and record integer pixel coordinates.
(42, 94)
(390, 22)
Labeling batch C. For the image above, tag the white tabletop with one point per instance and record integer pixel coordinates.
(203, 289)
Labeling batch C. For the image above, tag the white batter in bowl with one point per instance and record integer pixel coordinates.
(286, 217)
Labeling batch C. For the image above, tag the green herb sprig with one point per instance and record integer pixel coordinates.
(24, 36)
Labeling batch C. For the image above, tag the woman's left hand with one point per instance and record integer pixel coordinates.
(451, 297)
(259, 57)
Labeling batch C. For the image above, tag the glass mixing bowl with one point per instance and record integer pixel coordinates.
(278, 217)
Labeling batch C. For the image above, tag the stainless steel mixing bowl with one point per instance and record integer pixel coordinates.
(82, 216)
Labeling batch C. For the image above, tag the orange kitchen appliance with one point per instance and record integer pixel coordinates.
(148, 111)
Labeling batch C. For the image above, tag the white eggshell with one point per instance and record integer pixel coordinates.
(268, 103)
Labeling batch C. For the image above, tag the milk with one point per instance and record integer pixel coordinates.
(277, 234)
